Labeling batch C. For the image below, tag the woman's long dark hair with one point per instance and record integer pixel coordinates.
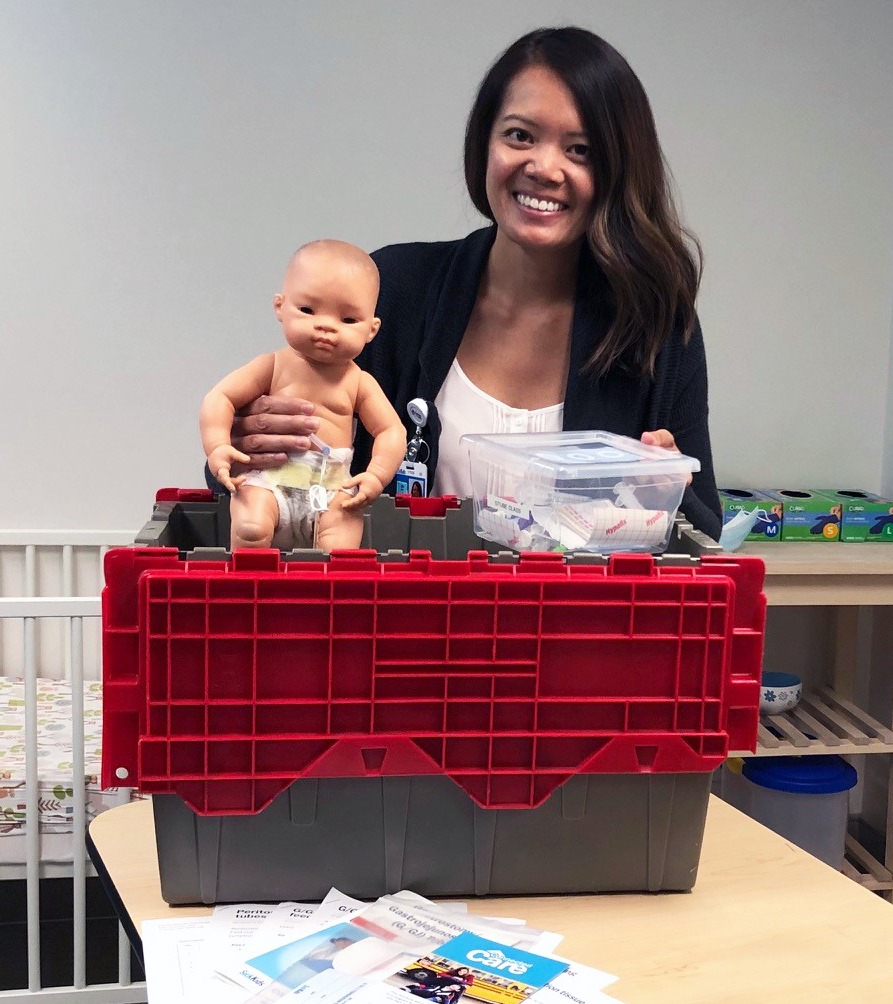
(652, 263)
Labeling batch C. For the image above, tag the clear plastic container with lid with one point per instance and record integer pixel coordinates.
(575, 491)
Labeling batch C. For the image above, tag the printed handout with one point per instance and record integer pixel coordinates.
(339, 951)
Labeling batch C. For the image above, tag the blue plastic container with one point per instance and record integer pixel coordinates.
(804, 799)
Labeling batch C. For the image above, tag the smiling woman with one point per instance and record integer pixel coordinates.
(574, 310)
(539, 183)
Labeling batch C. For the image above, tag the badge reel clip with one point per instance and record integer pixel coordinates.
(412, 477)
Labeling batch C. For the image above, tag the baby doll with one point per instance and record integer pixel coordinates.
(326, 308)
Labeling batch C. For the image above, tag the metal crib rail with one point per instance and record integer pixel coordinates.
(29, 608)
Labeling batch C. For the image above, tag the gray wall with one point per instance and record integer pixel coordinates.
(161, 160)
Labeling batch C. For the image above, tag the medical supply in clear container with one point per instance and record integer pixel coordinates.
(575, 491)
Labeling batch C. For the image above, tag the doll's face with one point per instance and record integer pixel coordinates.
(327, 306)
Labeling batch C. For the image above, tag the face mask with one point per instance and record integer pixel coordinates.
(738, 527)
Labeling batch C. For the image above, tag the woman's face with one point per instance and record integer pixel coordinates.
(539, 174)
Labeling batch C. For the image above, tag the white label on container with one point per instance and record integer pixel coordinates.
(597, 453)
(510, 506)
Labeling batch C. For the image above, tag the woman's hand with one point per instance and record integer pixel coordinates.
(660, 437)
(270, 428)
(664, 438)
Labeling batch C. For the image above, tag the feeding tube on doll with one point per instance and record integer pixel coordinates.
(317, 499)
(323, 448)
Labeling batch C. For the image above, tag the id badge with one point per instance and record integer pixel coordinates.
(412, 479)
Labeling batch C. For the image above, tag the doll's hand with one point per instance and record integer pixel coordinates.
(220, 461)
(368, 488)
(271, 427)
(664, 438)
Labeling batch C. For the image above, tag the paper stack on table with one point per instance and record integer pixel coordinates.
(342, 950)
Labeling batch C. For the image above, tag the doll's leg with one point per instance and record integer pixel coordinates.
(339, 528)
(254, 512)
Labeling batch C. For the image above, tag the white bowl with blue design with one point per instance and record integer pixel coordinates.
(779, 692)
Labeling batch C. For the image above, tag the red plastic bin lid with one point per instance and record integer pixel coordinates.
(226, 681)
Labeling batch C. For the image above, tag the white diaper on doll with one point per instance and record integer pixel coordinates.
(303, 488)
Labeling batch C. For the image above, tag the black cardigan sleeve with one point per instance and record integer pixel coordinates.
(688, 421)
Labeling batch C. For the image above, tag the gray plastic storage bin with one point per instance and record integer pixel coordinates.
(486, 724)
(597, 833)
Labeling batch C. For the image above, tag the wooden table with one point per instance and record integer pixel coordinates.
(764, 921)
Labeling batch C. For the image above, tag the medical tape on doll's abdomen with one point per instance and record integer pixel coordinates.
(312, 468)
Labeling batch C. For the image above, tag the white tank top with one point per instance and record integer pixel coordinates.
(464, 408)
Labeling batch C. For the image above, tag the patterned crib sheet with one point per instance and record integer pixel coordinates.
(54, 760)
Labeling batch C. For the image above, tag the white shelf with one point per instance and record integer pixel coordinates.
(823, 722)
(827, 574)
(865, 869)
(841, 577)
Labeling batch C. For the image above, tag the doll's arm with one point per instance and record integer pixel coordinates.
(389, 442)
(216, 416)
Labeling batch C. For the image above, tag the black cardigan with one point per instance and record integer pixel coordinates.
(427, 295)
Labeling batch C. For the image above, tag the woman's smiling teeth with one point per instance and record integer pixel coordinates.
(542, 205)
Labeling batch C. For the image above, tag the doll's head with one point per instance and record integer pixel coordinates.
(327, 302)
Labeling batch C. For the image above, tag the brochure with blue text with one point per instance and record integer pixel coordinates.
(473, 968)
